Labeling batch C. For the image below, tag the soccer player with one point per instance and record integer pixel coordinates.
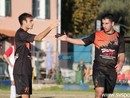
(23, 67)
(109, 55)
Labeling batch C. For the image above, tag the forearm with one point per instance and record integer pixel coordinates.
(75, 41)
(42, 34)
(121, 59)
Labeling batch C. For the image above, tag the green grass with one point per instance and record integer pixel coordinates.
(122, 91)
(61, 89)
(2, 87)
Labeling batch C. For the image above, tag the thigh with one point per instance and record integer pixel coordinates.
(23, 84)
(110, 82)
(98, 79)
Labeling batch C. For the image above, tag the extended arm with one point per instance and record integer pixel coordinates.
(46, 31)
(71, 40)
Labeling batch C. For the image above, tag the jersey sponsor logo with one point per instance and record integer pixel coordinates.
(107, 53)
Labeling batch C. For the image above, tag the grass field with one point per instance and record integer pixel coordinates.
(52, 92)
(59, 92)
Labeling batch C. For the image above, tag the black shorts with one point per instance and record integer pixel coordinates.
(108, 81)
(23, 84)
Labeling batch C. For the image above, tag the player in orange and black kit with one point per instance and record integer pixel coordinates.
(109, 55)
(23, 67)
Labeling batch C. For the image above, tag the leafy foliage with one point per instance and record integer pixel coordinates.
(84, 16)
(78, 16)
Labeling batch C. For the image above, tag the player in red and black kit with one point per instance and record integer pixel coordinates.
(109, 55)
(9, 58)
(23, 67)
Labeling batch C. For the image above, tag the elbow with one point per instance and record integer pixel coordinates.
(4, 56)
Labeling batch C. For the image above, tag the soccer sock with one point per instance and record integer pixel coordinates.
(12, 92)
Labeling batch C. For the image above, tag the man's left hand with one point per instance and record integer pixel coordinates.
(118, 68)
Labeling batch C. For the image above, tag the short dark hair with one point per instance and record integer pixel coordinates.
(23, 16)
(108, 16)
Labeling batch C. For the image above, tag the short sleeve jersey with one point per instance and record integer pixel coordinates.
(23, 64)
(107, 48)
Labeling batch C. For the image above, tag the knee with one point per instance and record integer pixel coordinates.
(99, 92)
(98, 95)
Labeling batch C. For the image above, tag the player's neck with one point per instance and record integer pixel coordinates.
(110, 32)
(24, 28)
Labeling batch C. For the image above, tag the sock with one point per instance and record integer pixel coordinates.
(12, 92)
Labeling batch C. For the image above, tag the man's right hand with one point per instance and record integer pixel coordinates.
(58, 35)
(62, 37)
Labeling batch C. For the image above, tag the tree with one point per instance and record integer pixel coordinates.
(84, 16)
(78, 16)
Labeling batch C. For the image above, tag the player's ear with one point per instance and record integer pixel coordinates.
(113, 23)
(24, 22)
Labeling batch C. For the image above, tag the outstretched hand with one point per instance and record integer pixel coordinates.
(55, 24)
(62, 37)
(58, 35)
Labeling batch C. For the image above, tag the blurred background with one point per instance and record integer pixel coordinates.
(59, 62)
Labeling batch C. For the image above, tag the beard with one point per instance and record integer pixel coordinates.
(107, 30)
